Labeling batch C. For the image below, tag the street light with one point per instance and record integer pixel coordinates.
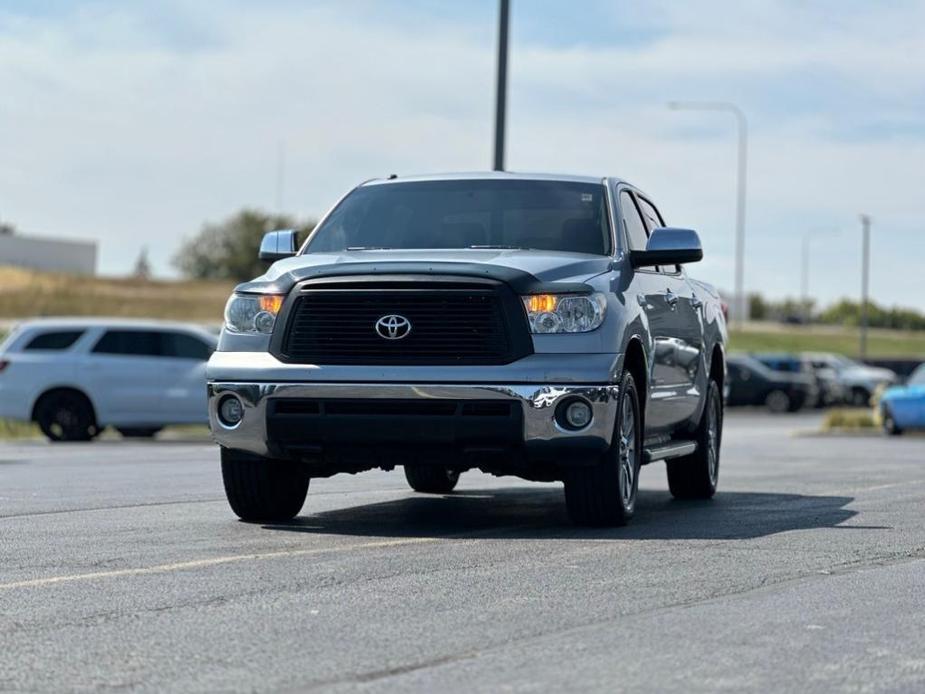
(501, 94)
(865, 280)
(742, 123)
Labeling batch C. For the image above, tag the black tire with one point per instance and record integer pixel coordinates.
(138, 432)
(431, 479)
(778, 401)
(604, 494)
(696, 476)
(66, 415)
(859, 397)
(263, 489)
(889, 424)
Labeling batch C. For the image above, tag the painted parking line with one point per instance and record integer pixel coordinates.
(213, 561)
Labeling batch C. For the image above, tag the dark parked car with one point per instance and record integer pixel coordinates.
(828, 387)
(753, 383)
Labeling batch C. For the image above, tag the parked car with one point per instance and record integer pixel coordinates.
(530, 325)
(903, 407)
(73, 377)
(753, 383)
(829, 389)
(858, 380)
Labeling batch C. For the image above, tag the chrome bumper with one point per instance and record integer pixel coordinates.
(538, 403)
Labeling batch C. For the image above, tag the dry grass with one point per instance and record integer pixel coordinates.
(769, 337)
(850, 419)
(27, 293)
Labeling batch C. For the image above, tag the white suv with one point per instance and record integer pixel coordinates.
(75, 376)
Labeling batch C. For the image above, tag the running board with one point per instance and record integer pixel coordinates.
(674, 449)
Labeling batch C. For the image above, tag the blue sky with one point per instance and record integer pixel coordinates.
(135, 122)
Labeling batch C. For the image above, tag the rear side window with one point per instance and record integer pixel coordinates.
(185, 346)
(136, 343)
(55, 341)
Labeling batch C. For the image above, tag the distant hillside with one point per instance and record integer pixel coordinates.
(27, 293)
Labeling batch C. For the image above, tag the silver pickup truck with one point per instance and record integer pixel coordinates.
(531, 325)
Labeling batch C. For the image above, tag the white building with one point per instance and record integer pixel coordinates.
(42, 253)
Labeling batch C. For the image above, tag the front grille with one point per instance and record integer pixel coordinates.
(448, 326)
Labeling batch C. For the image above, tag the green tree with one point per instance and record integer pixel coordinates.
(228, 250)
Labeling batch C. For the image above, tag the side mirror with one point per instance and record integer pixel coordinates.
(279, 244)
(669, 246)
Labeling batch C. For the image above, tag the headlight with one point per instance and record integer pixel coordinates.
(252, 313)
(565, 313)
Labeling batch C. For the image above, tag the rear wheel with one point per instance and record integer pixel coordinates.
(860, 397)
(431, 479)
(695, 476)
(889, 423)
(66, 416)
(605, 494)
(138, 432)
(263, 489)
(778, 401)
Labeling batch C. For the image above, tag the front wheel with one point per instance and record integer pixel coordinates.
(889, 423)
(263, 489)
(605, 494)
(138, 432)
(431, 479)
(696, 476)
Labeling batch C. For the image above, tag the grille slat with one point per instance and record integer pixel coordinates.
(455, 326)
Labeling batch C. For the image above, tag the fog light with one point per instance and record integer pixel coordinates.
(230, 411)
(574, 414)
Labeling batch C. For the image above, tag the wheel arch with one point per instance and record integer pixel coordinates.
(634, 360)
(63, 388)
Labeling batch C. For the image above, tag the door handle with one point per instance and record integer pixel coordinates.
(642, 301)
(671, 299)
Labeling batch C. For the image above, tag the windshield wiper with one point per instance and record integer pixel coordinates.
(368, 248)
(499, 247)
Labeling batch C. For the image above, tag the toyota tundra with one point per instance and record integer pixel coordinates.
(531, 325)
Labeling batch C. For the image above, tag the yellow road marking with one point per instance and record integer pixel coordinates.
(214, 561)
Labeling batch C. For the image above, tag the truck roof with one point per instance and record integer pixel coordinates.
(492, 175)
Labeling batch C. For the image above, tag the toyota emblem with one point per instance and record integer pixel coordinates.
(393, 327)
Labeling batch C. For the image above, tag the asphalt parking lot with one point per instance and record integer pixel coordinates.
(121, 567)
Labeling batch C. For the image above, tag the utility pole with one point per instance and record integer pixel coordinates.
(804, 279)
(865, 280)
(501, 95)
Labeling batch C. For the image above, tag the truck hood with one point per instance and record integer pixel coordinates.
(528, 271)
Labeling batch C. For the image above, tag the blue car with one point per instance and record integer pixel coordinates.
(903, 407)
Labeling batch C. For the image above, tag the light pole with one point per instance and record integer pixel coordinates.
(501, 94)
(865, 280)
(742, 124)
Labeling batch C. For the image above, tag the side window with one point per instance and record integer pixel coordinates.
(184, 346)
(135, 343)
(635, 229)
(57, 341)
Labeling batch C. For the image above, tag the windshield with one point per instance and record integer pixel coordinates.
(544, 215)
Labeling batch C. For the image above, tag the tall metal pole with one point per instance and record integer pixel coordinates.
(865, 280)
(741, 313)
(501, 95)
(740, 212)
(804, 279)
